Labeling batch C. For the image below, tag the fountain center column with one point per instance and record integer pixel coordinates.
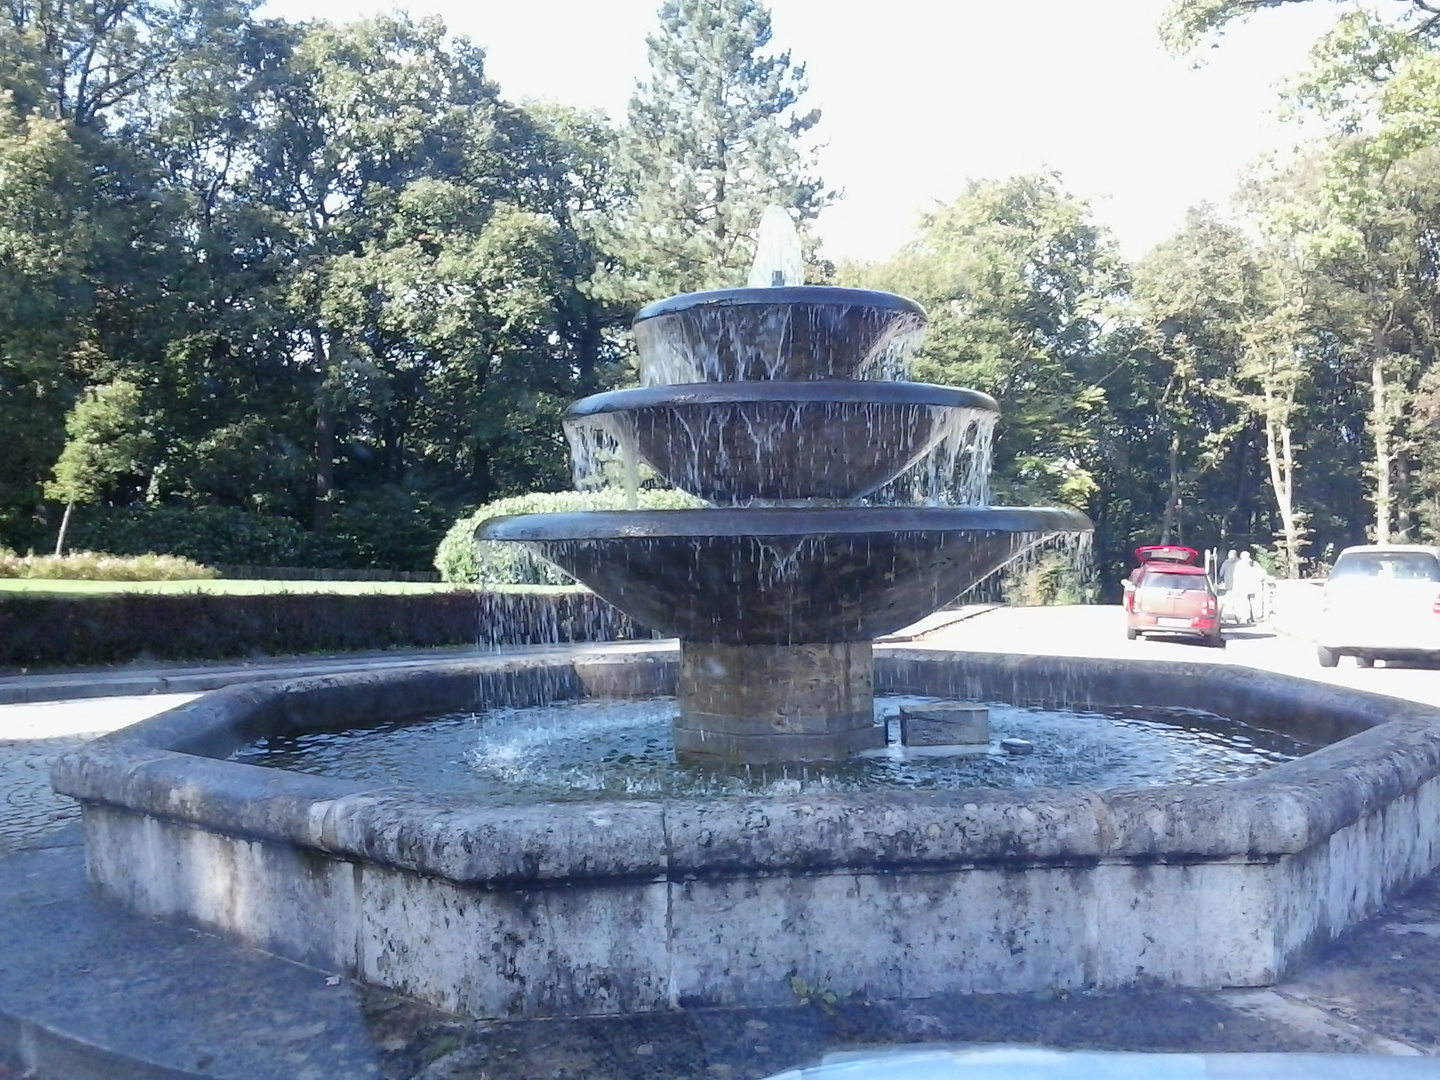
(767, 704)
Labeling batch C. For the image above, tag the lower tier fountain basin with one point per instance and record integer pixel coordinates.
(784, 575)
(627, 905)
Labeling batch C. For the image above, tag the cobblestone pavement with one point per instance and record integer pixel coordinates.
(33, 736)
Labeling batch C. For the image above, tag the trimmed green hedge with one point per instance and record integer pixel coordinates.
(464, 560)
(52, 631)
(390, 530)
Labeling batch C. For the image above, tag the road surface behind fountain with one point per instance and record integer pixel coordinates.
(203, 1007)
(1100, 631)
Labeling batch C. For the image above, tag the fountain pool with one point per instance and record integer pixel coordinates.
(630, 904)
(598, 748)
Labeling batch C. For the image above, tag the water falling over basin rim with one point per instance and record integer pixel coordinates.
(827, 295)
(783, 575)
(778, 334)
(731, 443)
(777, 521)
(819, 391)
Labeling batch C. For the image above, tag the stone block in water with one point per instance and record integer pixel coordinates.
(625, 676)
(950, 724)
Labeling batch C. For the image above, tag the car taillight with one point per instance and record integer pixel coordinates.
(1210, 604)
(1435, 607)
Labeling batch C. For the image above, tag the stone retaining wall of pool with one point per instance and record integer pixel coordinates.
(575, 908)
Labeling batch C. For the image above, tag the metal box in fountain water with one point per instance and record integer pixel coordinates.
(963, 726)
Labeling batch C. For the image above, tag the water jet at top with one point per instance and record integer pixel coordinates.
(783, 406)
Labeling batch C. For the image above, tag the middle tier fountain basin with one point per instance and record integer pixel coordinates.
(733, 442)
(783, 575)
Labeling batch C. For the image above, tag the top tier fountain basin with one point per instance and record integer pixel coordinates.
(783, 575)
(794, 333)
(733, 442)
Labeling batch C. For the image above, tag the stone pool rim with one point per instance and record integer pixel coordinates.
(164, 766)
(156, 774)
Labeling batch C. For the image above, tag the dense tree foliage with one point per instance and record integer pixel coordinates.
(331, 275)
(303, 292)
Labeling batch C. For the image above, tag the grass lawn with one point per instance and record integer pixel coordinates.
(229, 587)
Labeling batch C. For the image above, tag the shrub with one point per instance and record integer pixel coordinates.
(389, 529)
(464, 560)
(95, 566)
(1046, 577)
(214, 535)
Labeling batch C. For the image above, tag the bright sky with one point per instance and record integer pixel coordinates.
(919, 95)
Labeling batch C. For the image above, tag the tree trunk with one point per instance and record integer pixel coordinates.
(1403, 517)
(1241, 453)
(64, 528)
(1380, 431)
(1280, 456)
(324, 434)
(1171, 522)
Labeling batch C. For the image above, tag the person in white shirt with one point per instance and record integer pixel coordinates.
(1249, 589)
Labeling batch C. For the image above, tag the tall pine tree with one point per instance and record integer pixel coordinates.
(714, 136)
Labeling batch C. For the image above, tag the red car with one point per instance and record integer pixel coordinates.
(1168, 594)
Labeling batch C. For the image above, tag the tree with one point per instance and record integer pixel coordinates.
(1187, 23)
(1272, 376)
(1196, 293)
(1359, 210)
(86, 62)
(107, 443)
(45, 240)
(713, 137)
(1019, 283)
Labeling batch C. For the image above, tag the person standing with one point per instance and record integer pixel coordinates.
(1227, 584)
(1249, 584)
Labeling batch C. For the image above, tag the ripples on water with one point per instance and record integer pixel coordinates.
(621, 749)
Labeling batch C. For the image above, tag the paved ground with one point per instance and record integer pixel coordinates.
(1100, 631)
(196, 1006)
(33, 736)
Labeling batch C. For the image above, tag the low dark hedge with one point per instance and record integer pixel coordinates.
(384, 530)
(50, 631)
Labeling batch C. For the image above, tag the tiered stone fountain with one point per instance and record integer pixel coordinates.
(772, 404)
(765, 402)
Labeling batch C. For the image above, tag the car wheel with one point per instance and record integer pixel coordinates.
(1327, 657)
(1131, 633)
(1216, 642)
(1365, 661)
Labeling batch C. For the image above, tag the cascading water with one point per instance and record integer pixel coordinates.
(844, 504)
